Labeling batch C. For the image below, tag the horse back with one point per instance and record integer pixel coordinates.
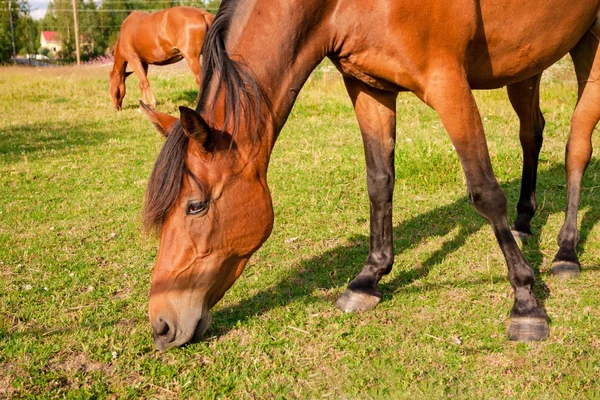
(163, 37)
(402, 45)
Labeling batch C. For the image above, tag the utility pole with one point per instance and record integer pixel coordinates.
(76, 32)
(12, 30)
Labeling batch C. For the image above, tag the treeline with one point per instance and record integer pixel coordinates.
(99, 24)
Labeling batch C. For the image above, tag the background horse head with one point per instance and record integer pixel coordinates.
(116, 86)
(160, 38)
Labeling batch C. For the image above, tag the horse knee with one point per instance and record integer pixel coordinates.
(490, 202)
(380, 185)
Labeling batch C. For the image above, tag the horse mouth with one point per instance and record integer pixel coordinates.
(201, 328)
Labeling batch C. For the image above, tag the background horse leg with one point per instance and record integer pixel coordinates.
(448, 92)
(579, 148)
(141, 70)
(196, 68)
(525, 99)
(376, 114)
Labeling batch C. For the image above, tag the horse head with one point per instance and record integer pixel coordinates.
(116, 86)
(213, 210)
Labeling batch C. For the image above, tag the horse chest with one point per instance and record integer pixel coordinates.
(372, 77)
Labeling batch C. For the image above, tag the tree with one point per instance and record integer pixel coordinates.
(212, 5)
(10, 11)
(28, 35)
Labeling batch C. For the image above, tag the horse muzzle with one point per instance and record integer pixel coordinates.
(167, 334)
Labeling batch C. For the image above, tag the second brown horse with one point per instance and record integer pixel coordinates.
(160, 38)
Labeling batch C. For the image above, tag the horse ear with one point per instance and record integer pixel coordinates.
(127, 74)
(195, 127)
(163, 122)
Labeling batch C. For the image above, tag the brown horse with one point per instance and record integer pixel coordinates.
(160, 38)
(208, 192)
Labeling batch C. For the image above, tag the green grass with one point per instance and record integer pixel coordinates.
(75, 266)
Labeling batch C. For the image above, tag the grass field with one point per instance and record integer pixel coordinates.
(75, 265)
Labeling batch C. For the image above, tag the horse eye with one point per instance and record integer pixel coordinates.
(196, 207)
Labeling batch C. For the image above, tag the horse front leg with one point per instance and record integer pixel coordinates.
(525, 99)
(448, 92)
(579, 148)
(141, 70)
(376, 114)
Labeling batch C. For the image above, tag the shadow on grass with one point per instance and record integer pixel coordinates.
(336, 267)
(52, 136)
(186, 96)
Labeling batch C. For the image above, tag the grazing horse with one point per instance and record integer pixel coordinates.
(160, 38)
(208, 195)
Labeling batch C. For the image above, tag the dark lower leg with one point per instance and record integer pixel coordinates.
(375, 111)
(457, 109)
(524, 97)
(579, 150)
(586, 59)
(528, 320)
(566, 263)
(362, 293)
(526, 207)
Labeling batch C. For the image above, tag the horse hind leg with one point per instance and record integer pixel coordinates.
(448, 92)
(525, 99)
(586, 59)
(196, 68)
(376, 114)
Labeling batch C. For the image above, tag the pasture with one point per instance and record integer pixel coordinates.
(75, 265)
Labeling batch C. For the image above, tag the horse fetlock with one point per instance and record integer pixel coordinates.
(521, 228)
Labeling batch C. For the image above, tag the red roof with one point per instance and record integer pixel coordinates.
(51, 36)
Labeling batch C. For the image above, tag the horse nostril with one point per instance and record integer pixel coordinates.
(164, 332)
(162, 328)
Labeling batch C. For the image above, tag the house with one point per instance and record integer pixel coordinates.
(51, 40)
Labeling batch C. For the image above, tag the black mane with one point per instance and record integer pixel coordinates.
(243, 95)
(166, 180)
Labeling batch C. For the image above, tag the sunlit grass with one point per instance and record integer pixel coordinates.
(75, 265)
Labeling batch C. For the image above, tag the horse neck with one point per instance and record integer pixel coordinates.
(281, 48)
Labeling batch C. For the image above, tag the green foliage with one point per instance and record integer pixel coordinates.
(11, 11)
(75, 267)
(28, 34)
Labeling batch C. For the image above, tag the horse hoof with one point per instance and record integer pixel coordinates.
(355, 301)
(528, 329)
(522, 236)
(565, 269)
